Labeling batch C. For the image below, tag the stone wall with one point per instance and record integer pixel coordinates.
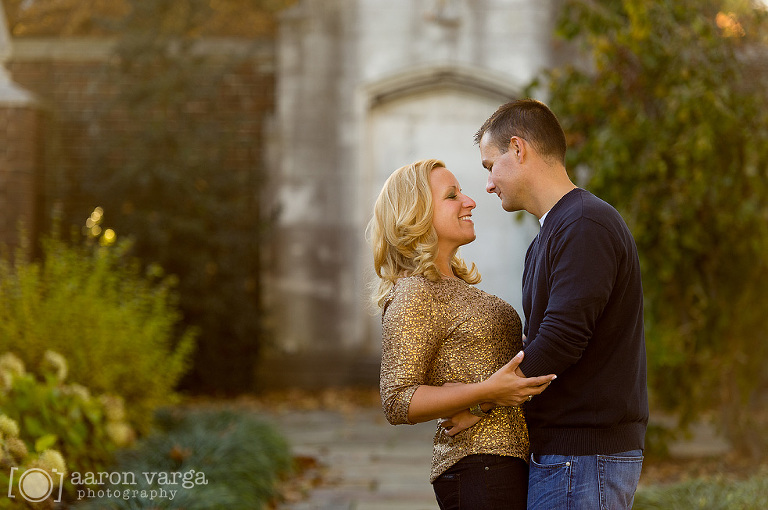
(364, 87)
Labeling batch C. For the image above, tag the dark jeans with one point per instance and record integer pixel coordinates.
(483, 482)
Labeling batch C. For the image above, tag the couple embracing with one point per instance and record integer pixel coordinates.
(548, 413)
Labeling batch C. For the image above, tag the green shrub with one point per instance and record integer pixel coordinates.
(86, 428)
(230, 460)
(115, 325)
(45, 421)
(711, 494)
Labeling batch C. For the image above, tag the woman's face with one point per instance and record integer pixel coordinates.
(452, 212)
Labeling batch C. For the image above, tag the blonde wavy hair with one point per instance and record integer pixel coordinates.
(401, 234)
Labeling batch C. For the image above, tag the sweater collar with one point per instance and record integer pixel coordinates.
(562, 200)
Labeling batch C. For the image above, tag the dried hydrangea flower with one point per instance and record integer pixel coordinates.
(12, 364)
(79, 391)
(51, 460)
(17, 448)
(120, 433)
(6, 380)
(8, 427)
(54, 363)
(114, 408)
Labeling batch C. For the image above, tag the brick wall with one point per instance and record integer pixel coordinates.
(19, 173)
(71, 79)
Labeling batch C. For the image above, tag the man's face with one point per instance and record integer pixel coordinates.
(504, 174)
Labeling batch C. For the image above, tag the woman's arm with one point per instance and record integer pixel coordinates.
(411, 336)
(503, 388)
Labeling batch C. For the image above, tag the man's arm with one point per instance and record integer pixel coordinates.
(583, 265)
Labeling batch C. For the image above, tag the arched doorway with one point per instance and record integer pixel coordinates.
(434, 113)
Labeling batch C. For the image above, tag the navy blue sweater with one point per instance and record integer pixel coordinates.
(583, 304)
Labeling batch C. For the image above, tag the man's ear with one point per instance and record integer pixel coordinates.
(518, 148)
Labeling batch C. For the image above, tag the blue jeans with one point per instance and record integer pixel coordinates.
(575, 482)
(483, 482)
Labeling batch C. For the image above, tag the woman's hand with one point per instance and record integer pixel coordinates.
(509, 387)
(503, 388)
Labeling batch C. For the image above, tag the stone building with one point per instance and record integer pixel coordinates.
(364, 87)
(360, 88)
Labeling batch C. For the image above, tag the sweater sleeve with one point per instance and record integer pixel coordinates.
(410, 339)
(582, 264)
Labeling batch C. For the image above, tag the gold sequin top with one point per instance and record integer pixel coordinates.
(450, 331)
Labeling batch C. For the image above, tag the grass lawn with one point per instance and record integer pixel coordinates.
(719, 492)
(722, 483)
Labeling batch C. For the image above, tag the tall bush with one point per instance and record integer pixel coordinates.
(115, 324)
(668, 120)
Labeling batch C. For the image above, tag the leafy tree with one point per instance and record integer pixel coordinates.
(667, 118)
(66, 18)
(61, 17)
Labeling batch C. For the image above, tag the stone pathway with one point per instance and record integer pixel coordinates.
(370, 464)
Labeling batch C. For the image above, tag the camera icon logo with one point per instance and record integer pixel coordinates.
(37, 485)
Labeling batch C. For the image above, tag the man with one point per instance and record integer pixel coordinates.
(583, 305)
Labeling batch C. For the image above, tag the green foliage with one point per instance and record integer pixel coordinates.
(235, 459)
(114, 324)
(177, 150)
(668, 120)
(718, 493)
(74, 18)
(44, 418)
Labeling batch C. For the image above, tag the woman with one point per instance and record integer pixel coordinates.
(445, 343)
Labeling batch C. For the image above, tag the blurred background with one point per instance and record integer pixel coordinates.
(185, 184)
